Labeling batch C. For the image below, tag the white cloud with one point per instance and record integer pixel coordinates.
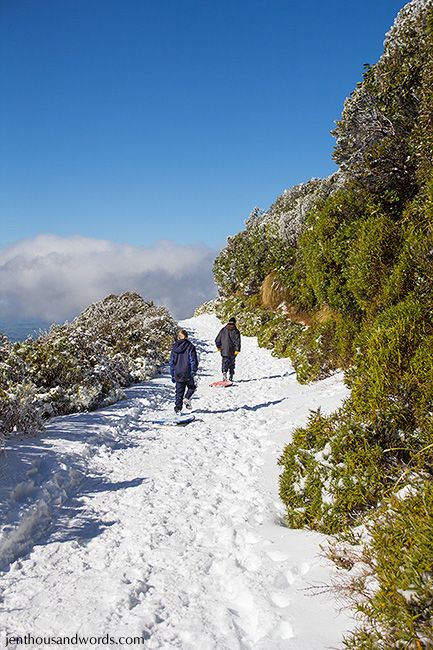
(54, 278)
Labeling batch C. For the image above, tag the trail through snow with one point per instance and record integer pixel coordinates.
(113, 525)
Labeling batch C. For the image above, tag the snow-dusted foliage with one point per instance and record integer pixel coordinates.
(269, 238)
(132, 330)
(18, 395)
(209, 307)
(378, 134)
(291, 208)
(387, 564)
(84, 364)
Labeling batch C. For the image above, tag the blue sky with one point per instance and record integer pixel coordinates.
(136, 120)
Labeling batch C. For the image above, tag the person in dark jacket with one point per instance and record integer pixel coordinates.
(183, 367)
(228, 342)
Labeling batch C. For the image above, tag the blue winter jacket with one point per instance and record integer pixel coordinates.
(183, 360)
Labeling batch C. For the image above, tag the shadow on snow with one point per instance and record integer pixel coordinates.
(286, 374)
(245, 407)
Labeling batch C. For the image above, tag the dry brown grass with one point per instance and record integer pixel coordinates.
(326, 314)
(276, 297)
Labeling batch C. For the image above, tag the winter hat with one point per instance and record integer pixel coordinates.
(232, 320)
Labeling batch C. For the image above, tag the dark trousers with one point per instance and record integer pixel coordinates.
(228, 364)
(181, 386)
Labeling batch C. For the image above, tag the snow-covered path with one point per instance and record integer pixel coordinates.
(171, 534)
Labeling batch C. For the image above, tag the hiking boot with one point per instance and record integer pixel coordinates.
(231, 376)
(224, 376)
(187, 403)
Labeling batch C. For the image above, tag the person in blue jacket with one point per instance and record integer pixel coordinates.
(183, 367)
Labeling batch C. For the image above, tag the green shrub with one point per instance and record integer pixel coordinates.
(249, 314)
(325, 246)
(392, 369)
(316, 350)
(370, 259)
(393, 592)
(333, 471)
(310, 354)
(249, 256)
(413, 263)
(271, 332)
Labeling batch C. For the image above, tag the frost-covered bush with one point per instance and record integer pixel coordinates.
(312, 352)
(278, 334)
(378, 140)
(390, 583)
(269, 240)
(307, 346)
(333, 471)
(84, 364)
(422, 137)
(248, 257)
(339, 473)
(19, 409)
(290, 210)
(209, 307)
(129, 325)
(18, 396)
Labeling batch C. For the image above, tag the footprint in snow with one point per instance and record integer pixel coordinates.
(276, 556)
(285, 630)
(280, 599)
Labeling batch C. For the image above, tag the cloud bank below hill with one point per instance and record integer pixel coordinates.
(54, 278)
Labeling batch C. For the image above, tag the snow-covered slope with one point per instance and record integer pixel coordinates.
(116, 526)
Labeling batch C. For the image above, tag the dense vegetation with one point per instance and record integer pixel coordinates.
(84, 364)
(338, 273)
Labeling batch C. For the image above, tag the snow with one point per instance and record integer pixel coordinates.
(115, 526)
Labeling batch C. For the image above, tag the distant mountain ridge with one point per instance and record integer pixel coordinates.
(21, 328)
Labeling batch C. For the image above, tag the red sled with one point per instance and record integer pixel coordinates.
(222, 384)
